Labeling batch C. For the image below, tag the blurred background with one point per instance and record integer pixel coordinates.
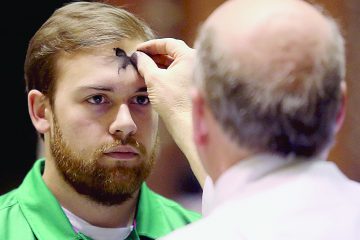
(172, 176)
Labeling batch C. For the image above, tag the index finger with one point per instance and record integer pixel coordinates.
(164, 46)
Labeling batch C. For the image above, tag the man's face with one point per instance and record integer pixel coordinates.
(104, 131)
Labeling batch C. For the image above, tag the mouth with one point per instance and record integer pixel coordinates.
(122, 153)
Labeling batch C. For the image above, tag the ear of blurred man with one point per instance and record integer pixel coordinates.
(199, 123)
(342, 110)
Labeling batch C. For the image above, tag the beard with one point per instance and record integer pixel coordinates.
(106, 185)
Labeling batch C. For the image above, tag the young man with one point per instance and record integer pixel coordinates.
(268, 99)
(91, 108)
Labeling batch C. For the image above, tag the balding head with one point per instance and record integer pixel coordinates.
(243, 21)
(271, 72)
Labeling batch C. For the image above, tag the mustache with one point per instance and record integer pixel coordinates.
(128, 141)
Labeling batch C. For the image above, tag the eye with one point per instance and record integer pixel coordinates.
(141, 100)
(97, 99)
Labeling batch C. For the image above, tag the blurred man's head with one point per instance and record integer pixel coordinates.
(89, 102)
(271, 79)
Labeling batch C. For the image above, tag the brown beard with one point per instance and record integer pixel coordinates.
(102, 184)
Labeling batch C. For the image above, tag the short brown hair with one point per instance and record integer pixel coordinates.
(75, 26)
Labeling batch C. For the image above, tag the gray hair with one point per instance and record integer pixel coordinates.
(267, 107)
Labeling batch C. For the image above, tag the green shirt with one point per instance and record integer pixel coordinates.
(32, 212)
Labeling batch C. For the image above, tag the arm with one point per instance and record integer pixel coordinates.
(168, 73)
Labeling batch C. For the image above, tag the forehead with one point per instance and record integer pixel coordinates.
(128, 45)
(96, 66)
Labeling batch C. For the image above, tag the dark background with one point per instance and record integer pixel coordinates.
(170, 18)
(19, 137)
(19, 21)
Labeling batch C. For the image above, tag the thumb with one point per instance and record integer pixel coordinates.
(145, 65)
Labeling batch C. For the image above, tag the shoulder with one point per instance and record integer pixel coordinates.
(8, 201)
(207, 228)
(173, 209)
(158, 216)
(12, 221)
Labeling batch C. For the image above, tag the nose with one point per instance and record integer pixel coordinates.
(123, 124)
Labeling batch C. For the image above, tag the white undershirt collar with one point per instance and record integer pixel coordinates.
(97, 233)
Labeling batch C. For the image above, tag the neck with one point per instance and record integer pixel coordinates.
(92, 212)
(232, 157)
(221, 150)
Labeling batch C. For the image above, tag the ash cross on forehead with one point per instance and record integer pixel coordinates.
(125, 60)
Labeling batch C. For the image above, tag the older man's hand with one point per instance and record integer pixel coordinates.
(167, 68)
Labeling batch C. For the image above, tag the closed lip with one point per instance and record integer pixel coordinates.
(122, 149)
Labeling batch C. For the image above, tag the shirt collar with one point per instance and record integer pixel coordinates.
(151, 220)
(95, 232)
(246, 172)
(41, 209)
(47, 219)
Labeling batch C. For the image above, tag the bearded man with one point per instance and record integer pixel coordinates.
(91, 107)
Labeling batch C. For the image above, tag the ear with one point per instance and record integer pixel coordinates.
(341, 114)
(39, 110)
(200, 128)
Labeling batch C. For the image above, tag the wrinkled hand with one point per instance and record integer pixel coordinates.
(167, 68)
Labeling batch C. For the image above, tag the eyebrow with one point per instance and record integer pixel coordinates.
(107, 89)
(142, 89)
